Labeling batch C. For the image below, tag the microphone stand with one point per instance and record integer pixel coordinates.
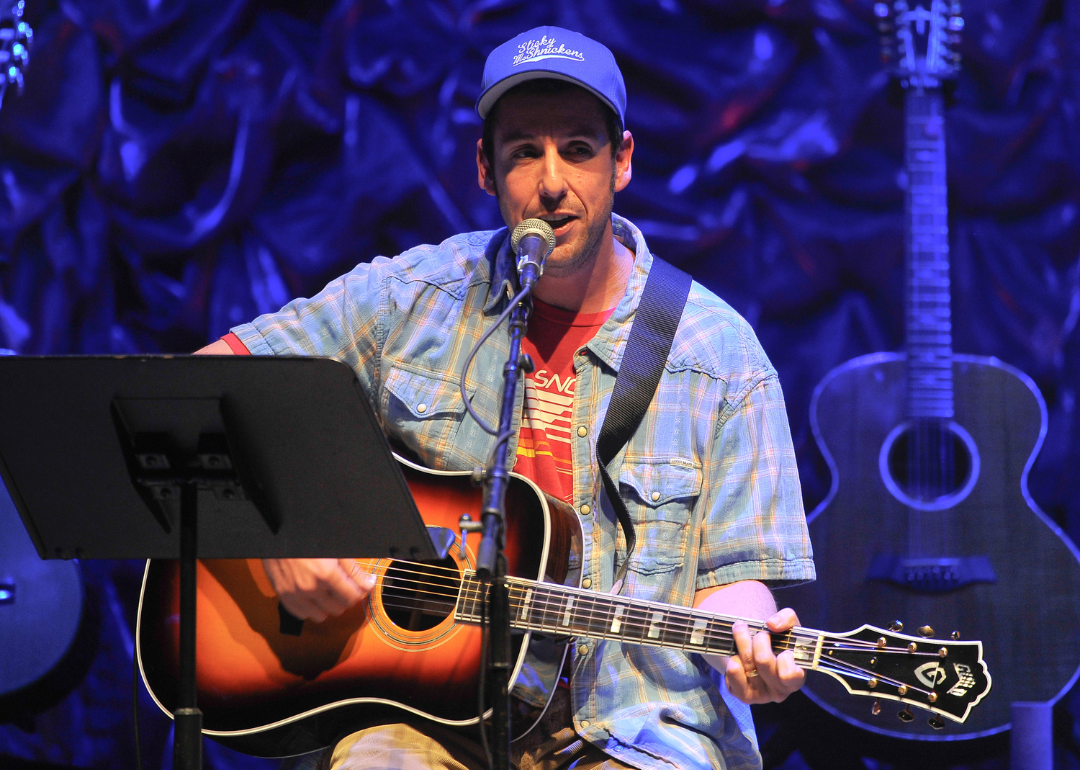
(491, 561)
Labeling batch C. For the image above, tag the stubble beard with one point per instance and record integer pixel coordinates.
(594, 236)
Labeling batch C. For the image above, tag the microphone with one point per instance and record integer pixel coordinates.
(533, 240)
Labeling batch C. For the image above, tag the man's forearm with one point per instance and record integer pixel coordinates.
(216, 348)
(748, 599)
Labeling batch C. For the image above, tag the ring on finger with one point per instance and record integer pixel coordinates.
(751, 673)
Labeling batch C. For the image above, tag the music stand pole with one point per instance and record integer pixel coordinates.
(187, 718)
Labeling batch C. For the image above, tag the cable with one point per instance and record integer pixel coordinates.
(519, 297)
(135, 707)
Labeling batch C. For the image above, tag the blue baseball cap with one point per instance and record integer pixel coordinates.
(556, 53)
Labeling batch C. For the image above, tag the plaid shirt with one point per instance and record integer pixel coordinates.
(709, 478)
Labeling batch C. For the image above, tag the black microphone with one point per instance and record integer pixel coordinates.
(533, 240)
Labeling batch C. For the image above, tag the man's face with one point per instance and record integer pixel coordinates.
(553, 161)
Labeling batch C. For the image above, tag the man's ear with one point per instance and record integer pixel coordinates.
(485, 175)
(623, 167)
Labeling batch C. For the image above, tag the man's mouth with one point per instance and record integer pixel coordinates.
(558, 222)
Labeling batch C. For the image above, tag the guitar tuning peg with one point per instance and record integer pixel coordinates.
(936, 722)
(896, 626)
(926, 632)
(881, 10)
(876, 708)
(906, 716)
(955, 636)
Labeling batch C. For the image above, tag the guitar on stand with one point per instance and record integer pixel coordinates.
(928, 515)
(40, 661)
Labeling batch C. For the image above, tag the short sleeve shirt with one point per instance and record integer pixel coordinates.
(709, 477)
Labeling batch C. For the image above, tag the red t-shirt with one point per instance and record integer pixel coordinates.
(543, 453)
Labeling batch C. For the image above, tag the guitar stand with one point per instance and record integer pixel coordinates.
(1031, 744)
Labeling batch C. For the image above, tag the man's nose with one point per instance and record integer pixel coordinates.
(553, 181)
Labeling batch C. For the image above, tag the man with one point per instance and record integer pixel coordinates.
(709, 477)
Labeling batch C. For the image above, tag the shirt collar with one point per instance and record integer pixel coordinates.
(609, 344)
(503, 272)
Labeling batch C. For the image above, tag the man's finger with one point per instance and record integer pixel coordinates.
(735, 677)
(783, 620)
(365, 581)
(343, 590)
(300, 607)
(764, 659)
(791, 673)
(744, 645)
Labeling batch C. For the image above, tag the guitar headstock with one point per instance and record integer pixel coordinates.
(919, 40)
(946, 677)
(15, 39)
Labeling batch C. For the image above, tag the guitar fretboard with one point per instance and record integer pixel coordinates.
(929, 324)
(562, 611)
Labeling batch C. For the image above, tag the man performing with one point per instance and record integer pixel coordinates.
(709, 477)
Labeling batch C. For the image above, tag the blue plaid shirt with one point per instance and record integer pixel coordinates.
(709, 478)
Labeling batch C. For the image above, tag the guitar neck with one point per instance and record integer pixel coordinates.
(563, 611)
(929, 324)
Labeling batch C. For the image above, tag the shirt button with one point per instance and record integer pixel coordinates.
(655, 496)
(584, 724)
(583, 649)
(586, 583)
(582, 431)
(586, 510)
(421, 408)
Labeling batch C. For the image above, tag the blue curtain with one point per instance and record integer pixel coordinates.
(175, 167)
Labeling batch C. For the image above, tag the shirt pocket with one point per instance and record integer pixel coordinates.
(423, 409)
(659, 496)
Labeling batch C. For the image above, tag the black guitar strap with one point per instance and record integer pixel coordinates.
(647, 349)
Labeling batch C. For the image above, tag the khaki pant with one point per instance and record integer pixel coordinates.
(430, 746)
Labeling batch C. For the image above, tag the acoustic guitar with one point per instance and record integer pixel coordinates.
(413, 647)
(928, 514)
(48, 628)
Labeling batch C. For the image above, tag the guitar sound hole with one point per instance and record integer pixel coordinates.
(929, 464)
(420, 595)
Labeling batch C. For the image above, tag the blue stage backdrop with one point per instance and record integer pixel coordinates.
(175, 167)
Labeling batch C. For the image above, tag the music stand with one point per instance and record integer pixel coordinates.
(224, 457)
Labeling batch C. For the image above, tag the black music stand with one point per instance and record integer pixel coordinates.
(165, 457)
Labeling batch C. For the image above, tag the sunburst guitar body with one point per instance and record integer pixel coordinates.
(412, 649)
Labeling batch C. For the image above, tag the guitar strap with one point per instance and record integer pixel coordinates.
(647, 349)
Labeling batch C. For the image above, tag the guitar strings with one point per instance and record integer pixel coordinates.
(676, 621)
(453, 589)
(825, 662)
